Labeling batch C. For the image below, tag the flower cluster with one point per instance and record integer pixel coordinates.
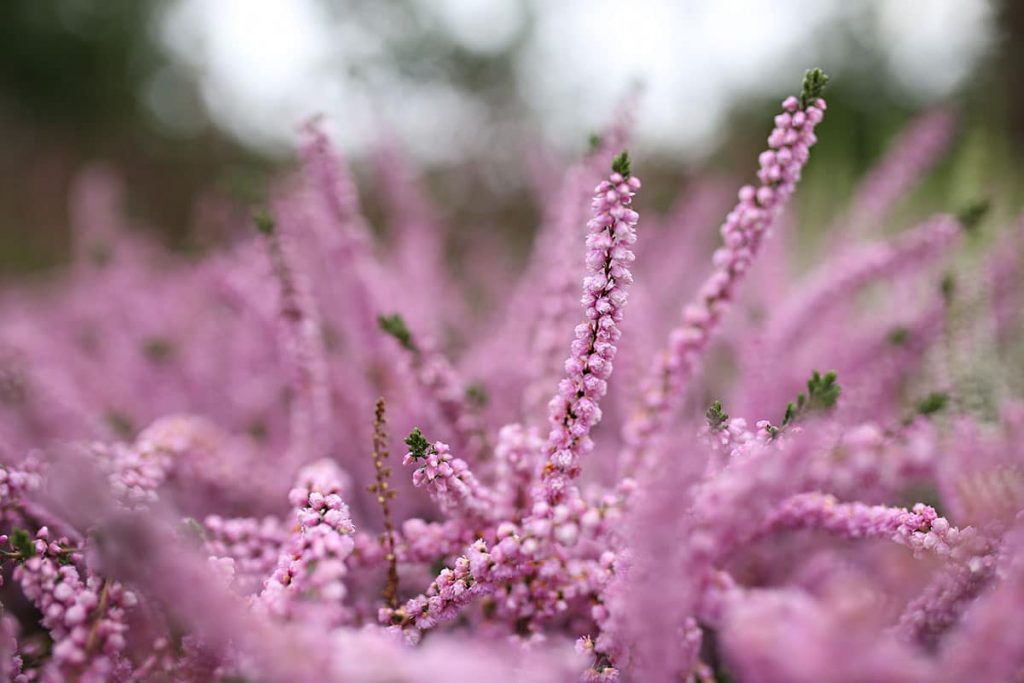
(85, 615)
(195, 483)
(449, 479)
(312, 569)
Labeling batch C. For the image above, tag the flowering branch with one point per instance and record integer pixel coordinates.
(743, 232)
(575, 410)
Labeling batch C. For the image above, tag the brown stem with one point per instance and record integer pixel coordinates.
(384, 495)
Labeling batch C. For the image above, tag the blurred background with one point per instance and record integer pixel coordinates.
(199, 101)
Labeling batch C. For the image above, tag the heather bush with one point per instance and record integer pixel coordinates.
(313, 455)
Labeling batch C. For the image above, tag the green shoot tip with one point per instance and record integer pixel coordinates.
(815, 81)
(947, 286)
(22, 542)
(932, 403)
(419, 447)
(898, 336)
(395, 325)
(716, 416)
(822, 394)
(476, 394)
(620, 164)
(973, 214)
(264, 222)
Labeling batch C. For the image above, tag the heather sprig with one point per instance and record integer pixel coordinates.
(395, 326)
(933, 403)
(743, 232)
(822, 394)
(575, 409)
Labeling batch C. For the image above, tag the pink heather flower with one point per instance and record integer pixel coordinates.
(137, 472)
(451, 483)
(743, 232)
(985, 644)
(519, 456)
(575, 409)
(920, 529)
(422, 541)
(941, 603)
(252, 544)
(85, 615)
(309, 578)
(538, 314)
(10, 660)
(331, 180)
(557, 246)
(16, 483)
(453, 588)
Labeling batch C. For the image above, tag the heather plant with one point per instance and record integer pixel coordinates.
(197, 483)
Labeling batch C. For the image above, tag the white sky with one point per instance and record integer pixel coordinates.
(266, 65)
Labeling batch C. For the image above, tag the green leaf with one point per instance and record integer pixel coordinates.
(898, 336)
(264, 222)
(973, 214)
(933, 403)
(948, 287)
(21, 541)
(790, 413)
(157, 349)
(476, 394)
(395, 325)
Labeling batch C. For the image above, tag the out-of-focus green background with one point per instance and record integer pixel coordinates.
(190, 99)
